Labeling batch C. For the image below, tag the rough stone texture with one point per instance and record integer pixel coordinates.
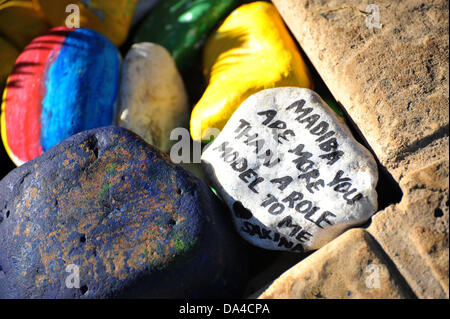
(436, 150)
(135, 224)
(392, 81)
(20, 23)
(344, 268)
(182, 26)
(415, 232)
(63, 82)
(432, 245)
(290, 171)
(252, 50)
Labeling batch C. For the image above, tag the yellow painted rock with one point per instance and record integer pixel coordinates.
(21, 22)
(110, 17)
(8, 55)
(251, 51)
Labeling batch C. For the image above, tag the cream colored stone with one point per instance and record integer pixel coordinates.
(393, 81)
(351, 266)
(290, 171)
(152, 98)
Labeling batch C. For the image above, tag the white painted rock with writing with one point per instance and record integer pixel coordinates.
(152, 97)
(290, 171)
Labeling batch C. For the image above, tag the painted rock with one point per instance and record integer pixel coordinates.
(21, 22)
(182, 26)
(196, 169)
(332, 103)
(114, 210)
(111, 18)
(142, 8)
(291, 172)
(64, 82)
(152, 98)
(8, 55)
(251, 51)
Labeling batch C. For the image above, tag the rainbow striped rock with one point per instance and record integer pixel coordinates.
(64, 82)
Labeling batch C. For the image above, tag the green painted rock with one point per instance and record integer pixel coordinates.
(181, 26)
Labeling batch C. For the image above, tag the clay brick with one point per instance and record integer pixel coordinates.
(344, 268)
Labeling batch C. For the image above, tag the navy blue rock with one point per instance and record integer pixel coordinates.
(112, 208)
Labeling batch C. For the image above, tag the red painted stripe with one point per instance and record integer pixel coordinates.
(26, 90)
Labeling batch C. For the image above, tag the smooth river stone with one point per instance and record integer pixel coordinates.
(134, 223)
(111, 18)
(64, 82)
(182, 26)
(152, 98)
(252, 50)
(291, 172)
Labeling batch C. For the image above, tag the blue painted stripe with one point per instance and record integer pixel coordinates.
(81, 87)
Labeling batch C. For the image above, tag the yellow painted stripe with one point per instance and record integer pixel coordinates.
(15, 160)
